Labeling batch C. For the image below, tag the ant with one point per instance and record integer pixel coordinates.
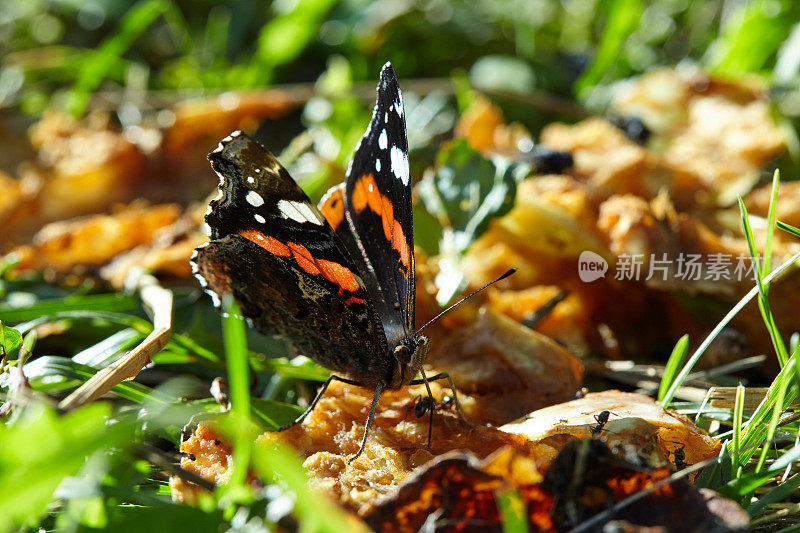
(601, 419)
(426, 403)
(679, 456)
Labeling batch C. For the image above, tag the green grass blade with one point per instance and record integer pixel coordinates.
(750, 482)
(751, 244)
(762, 285)
(624, 17)
(795, 528)
(271, 414)
(139, 324)
(102, 353)
(43, 374)
(513, 511)
(765, 266)
(297, 368)
(687, 368)
(184, 342)
(674, 363)
(779, 493)
(109, 53)
(750, 36)
(235, 342)
(777, 410)
(92, 302)
(288, 34)
(41, 449)
(756, 429)
(736, 443)
(236, 358)
(788, 228)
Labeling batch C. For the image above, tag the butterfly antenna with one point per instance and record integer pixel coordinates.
(467, 297)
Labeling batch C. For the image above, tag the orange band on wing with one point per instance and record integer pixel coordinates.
(366, 194)
(399, 243)
(304, 258)
(270, 244)
(332, 206)
(330, 270)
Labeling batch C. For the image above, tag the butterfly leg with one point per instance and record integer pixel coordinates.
(442, 375)
(316, 399)
(371, 415)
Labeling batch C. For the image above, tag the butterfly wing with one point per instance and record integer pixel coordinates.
(377, 203)
(275, 253)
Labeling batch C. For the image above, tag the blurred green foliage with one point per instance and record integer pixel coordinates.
(464, 192)
(10, 339)
(66, 49)
(60, 52)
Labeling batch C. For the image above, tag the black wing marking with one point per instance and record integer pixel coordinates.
(378, 211)
(255, 191)
(276, 254)
(277, 297)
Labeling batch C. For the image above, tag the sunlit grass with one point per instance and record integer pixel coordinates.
(753, 434)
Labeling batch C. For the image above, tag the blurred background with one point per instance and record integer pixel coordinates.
(61, 52)
(105, 103)
(538, 129)
(538, 60)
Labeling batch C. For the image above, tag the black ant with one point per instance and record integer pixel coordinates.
(602, 419)
(679, 456)
(426, 403)
(422, 406)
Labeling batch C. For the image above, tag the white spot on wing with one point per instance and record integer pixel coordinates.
(378, 165)
(399, 106)
(399, 164)
(196, 270)
(299, 212)
(220, 187)
(386, 117)
(383, 142)
(193, 262)
(259, 218)
(254, 199)
(251, 179)
(214, 298)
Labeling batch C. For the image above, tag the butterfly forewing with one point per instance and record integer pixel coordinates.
(378, 211)
(277, 255)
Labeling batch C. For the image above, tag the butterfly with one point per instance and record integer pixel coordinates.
(336, 279)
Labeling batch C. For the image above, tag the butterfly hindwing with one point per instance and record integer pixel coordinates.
(378, 210)
(275, 253)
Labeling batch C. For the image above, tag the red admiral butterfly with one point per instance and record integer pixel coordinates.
(336, 280)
